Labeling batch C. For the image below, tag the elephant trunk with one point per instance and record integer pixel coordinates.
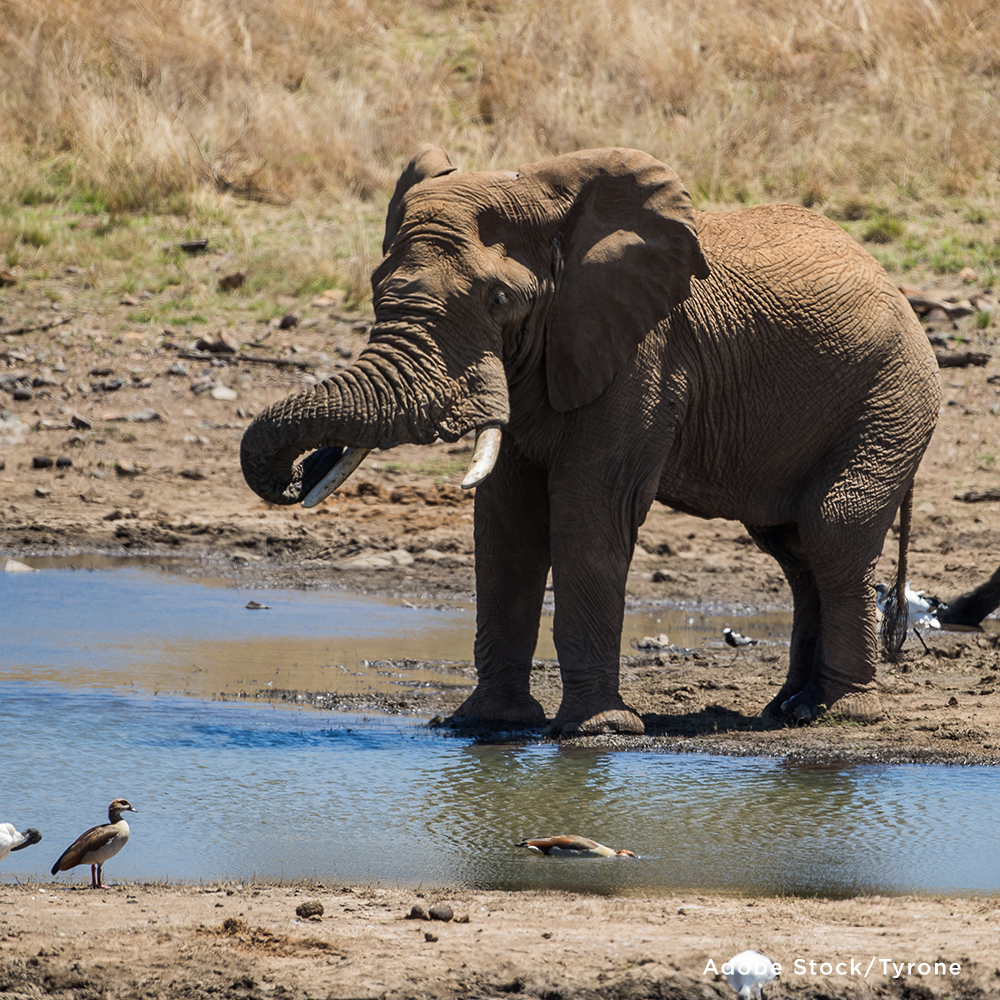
(388, 397)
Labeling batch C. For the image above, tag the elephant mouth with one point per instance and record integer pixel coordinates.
(327, 469)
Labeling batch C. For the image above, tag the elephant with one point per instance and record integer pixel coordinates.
(611, 345)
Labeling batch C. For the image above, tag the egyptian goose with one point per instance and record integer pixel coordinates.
(573, 847)
(749, 971)
(98, 844)
(11, 840)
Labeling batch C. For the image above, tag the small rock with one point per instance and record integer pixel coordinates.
(417, 912)
(93, 495)
(42, 491)
(254, 606)
(63, 462)
(13, 566)
(125, 468)
(441, 911)
(224, 392)
(232, 281)
(661, 641)
(967, 274)
(41, 462)
(101, 370)
(7, 276)
(193, 474)
(430, 937)
(312, 907)
(178, 368)
(23, 394)
(144, 416)
(80, 423)
(224, 343)
(288, 321)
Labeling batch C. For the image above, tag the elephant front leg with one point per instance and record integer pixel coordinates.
(512, 565)
(591, 554)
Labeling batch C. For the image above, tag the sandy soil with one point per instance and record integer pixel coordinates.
(145, 459)
(247, 941)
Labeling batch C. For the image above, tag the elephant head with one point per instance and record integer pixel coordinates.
(491, 284)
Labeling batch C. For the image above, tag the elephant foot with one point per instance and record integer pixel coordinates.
(809, 704)
(615, 720)
(481, 709)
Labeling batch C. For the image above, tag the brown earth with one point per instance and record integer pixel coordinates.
(246, 942)
(153, 467)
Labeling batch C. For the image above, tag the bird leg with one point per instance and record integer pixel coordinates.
(916, 632)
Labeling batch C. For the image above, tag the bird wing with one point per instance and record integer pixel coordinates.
(564, 843)
(91, 840)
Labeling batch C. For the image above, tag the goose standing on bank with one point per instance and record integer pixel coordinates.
(98, 844)
(11, 840)
(573, 847)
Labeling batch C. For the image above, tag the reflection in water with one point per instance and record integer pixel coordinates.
(235, 791)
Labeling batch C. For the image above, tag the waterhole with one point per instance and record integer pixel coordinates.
(93, 666)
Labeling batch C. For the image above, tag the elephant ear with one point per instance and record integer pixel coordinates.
(625, 253)
(430, 161)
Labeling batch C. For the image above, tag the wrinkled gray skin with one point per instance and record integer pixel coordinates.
(756, 365)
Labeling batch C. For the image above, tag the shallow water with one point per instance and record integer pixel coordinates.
(235, 791)
(156, 629)
(231, 791)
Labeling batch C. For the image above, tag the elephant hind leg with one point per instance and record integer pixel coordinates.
(832, 653)
(781, 542)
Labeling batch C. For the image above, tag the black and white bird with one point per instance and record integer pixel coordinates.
(921, 611)
(12, 840)
(98, 844)
(737, 641)
(750, 971)
(572, 847)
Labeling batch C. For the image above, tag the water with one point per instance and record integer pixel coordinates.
(155, 629)
(227, 790)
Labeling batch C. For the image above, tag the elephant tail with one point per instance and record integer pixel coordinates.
(895, 614)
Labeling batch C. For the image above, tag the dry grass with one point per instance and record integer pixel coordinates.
(125, 106)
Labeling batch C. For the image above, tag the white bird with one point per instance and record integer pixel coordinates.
(11, 840)
(572, 847)
(98, 844)
(920, 610)
(750, 970)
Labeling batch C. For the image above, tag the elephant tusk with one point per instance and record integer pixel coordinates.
(336, 477)
(484, 456)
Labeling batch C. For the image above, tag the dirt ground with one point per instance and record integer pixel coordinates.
(125, 440)
(246, 941)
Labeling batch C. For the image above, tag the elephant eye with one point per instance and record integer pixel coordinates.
(498, 301)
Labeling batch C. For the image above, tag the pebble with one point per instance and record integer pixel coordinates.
(224, 392)
(310, 908)
(441, 911)
(41, 462)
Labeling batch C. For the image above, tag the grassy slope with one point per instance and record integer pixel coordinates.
(277, 127)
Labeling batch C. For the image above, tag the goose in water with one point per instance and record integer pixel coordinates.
(572, 847)
(97, 844)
